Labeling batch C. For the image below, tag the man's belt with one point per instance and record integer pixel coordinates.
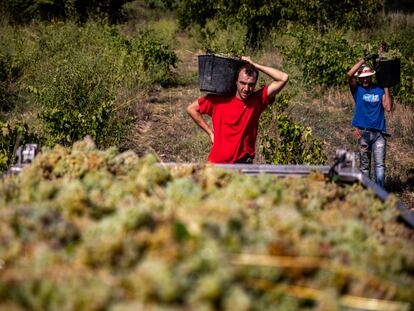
(367, 129)
(372, 130)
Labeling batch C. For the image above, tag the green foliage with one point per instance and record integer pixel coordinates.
(350, 13)
(78, 75)
(323, 57)
(11, 137)
(79, 85)
(197, 12)
(294, 143)
(404, 91)
(16, 55)
(261, 16)
(162, 4)
(226, 39)
(23, 11)
(156, 57)
(403, 41)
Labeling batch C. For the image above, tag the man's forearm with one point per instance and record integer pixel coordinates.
(199, 120)
(275, 74)
(193, 111)
(355, 67)
(387, 102)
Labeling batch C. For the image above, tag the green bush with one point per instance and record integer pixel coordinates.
(23, 11)
(16, 55)
(156, 57)
(293, 143)
(261, 16)
(196, 12)
(80, 79)
(87, 69)
(82, 72)
(11, 137)
(217, 38)
(324, 58)
(403, 41)
(404, 91)
(354, 14)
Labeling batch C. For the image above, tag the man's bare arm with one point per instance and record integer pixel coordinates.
(386, 100)
(194, 111)
(280, 78)
(351, 75)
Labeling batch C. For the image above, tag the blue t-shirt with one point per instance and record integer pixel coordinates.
(369, 112)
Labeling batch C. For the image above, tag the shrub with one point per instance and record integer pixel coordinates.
(16, 55)
(397, 32)
(293, 143)
(404, 91)
(11, 137)
(228, 39)
(77, 90)
(192, 12)
(403, 40)
(156, 57)
(78, 76)
(323, 57)
(86, 76)
(261, 16)
(23, 11)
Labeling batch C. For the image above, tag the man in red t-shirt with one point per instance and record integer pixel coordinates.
(235, 119)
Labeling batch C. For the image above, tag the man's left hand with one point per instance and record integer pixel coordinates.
(247, 59)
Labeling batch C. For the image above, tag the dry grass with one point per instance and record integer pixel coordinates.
(401, 121)
(398, 21)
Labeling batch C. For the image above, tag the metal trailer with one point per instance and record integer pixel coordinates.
(344, 170)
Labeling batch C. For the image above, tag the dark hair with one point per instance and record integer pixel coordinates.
(249, 69)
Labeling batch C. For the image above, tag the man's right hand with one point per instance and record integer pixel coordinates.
(370, 56)
(211, 138)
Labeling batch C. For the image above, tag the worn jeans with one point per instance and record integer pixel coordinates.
(372, 142)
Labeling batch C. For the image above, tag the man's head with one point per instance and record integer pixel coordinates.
(246, 81)
(364, 74)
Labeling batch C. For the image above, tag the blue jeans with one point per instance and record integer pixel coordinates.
(372, 142)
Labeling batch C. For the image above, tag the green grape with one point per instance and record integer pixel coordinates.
(89, 229)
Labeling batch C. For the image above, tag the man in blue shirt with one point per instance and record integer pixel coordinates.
(369, 122)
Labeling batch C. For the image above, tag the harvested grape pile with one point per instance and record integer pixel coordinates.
(85, 229)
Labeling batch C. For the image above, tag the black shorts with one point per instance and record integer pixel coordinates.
(246, 159)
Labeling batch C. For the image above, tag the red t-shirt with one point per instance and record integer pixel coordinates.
(235, 124)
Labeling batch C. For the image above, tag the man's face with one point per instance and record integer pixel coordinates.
(365, 81)
(245, 85)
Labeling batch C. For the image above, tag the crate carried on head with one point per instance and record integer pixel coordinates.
(218, 74)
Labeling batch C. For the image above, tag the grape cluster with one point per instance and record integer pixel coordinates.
(89, 229)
